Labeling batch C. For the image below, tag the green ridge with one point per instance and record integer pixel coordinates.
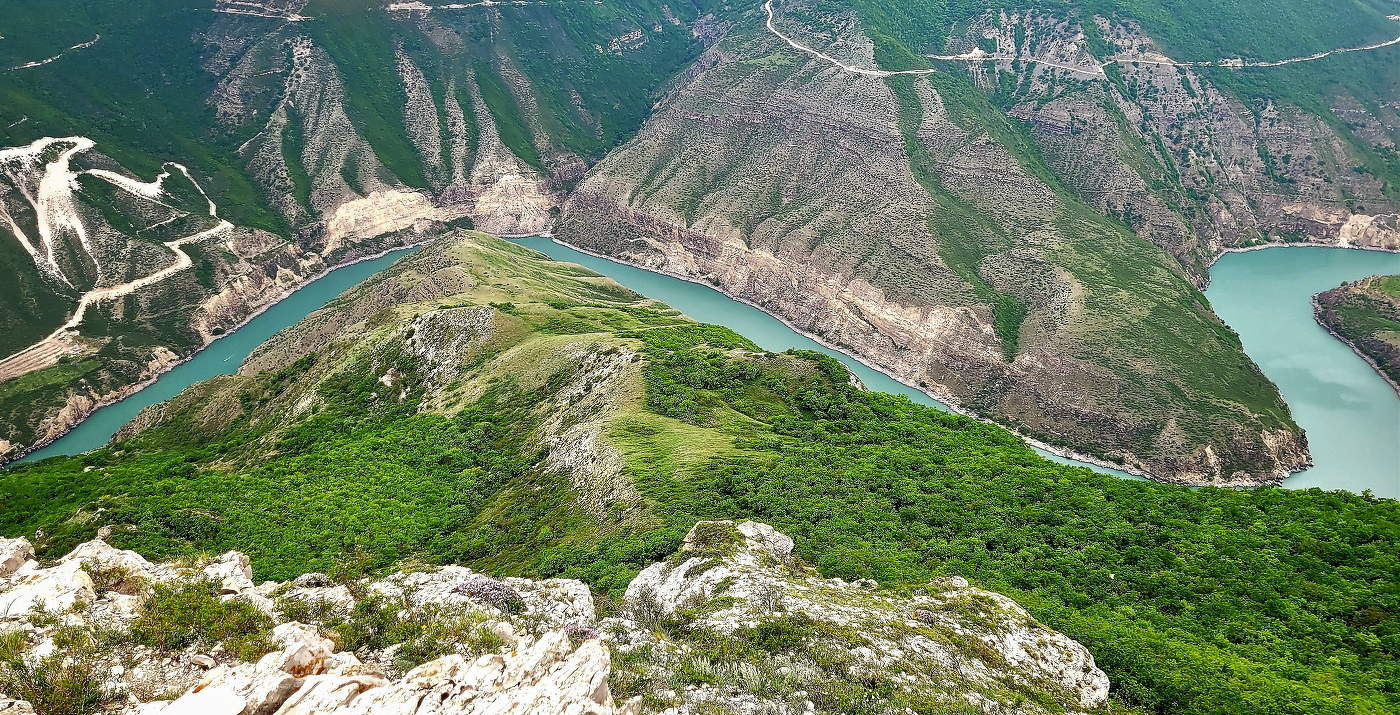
(1194, 601)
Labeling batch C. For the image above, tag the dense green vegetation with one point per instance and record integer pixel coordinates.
(29, 307)
(1194, 601)
(1367, 315)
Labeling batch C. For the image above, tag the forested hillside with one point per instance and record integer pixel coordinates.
(480, 404)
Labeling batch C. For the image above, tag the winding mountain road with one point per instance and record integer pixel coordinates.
(54, 211)
(46, 60)
(980, 55)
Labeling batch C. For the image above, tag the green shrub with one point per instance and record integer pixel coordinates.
(713, 540)
(426, 632)
(12, 643)
(184, 615)
(115, 578)
(785, 634)
(68, 683)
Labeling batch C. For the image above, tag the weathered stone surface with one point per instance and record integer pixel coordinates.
(10, 706)
(13, 554)
(231, 690)
(530, 646)
(932, 641)
(232, 571)
(382, 212)
(328, 693)
(304, 652)
(548, 677)
(55, 589)
(551, 603)
(99, 554)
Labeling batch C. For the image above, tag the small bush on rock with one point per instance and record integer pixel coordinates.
(57, 685)
(115, 578)
(786, 634)
(179, 616)
(579, 632)
(712, 539)
(424, 633)
(309, 610)
(12, 643)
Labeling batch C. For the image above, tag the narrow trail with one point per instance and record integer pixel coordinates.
(768, 6)
(416, 6)
(980, 55)
(182, 261)
(54, 211)
(74, 48)
(254, 9)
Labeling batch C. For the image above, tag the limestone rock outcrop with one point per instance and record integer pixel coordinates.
(947, 642)
(13, 554)
(732, 621)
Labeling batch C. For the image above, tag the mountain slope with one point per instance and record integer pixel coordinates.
(1019, 220)
(479, 404)
(904, 219)
(324, 131)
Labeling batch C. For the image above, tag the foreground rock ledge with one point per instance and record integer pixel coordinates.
(732, 622)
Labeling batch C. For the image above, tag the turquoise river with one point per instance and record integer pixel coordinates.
(221, 357)
(1351, 416)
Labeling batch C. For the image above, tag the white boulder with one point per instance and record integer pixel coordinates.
(232, 571)
(303, 651)
(548, 677)
(98, 554)
(10, 706)
(14, 553)
(55, 589)
(327, 693)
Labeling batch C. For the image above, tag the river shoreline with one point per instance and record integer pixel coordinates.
(1280, 244)
(1317, 315)
(944, 402)
(947, 402)
(121, 395)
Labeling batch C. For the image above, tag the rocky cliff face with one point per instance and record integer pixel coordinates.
(901, 219)
(179, 638)
(1186, 164)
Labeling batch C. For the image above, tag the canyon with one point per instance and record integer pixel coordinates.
(1016, 238)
